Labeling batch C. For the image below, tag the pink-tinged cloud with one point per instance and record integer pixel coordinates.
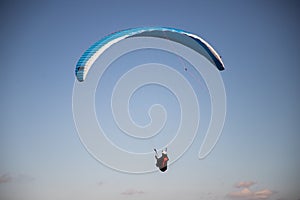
(263, 194)
(5, 178)
(244, 184)
(132, 192)
(247, 194)
(244, 193)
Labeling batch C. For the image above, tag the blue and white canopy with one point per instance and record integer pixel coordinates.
(188, 39)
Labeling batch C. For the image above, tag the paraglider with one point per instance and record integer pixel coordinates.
(162, 162)
(194, 48)
(185, 38)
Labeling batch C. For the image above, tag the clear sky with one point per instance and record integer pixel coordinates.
(257, 156)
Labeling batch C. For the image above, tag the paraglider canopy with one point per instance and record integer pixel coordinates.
(188, 39)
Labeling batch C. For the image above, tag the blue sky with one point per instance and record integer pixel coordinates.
(257, 155)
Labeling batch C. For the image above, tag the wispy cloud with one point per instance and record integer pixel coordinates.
(244, 193)
(263, 194)
(132, 192)
(23, 178)
(100, 183)
(5, 178)
(244, 184)
(247, 194)
(20, 178)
